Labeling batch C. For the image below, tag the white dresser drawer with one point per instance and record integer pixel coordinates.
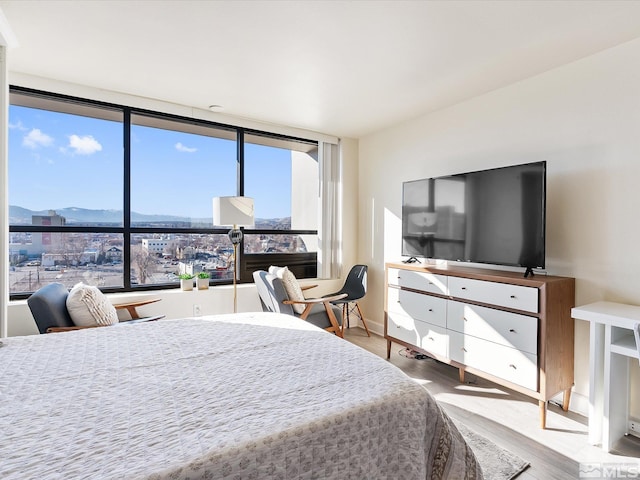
(506, 328)
(503, 362)
(402, 327)
(501, 294)
(430, 337)
(426, 282)
(434, 339)
(417, 305)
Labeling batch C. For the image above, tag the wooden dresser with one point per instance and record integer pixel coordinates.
(515, 331)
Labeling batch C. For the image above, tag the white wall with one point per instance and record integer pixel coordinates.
(584, 120)
(350, 211)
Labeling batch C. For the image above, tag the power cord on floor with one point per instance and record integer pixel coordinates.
(410, 353)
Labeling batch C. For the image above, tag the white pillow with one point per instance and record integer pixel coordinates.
(273, 270)
(88, 306)
(291, 285)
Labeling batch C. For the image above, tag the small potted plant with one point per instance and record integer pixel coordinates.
(186, 281)
(202, 281)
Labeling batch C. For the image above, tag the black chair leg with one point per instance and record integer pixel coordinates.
(347, 305)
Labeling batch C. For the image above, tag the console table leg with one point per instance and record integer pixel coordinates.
(566, 398)
(388, 349)
(596, 382)
(543, 414)
(461, 374)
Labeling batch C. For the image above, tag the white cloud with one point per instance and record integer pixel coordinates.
(35, 138)
(86, 145)
(182, 148)
(18, 126)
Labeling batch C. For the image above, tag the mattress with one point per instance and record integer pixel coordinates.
(246, 396)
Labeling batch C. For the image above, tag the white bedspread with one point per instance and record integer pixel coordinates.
(224, 397)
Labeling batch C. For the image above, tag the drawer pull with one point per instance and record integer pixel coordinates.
(513, 296)
(463, 288)
(463, 349)
(431, 309)
(513, 366)
(430, 338)
(512, 330)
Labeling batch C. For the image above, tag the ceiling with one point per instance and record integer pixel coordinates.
(344, 68)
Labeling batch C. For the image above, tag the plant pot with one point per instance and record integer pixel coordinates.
(202, 283)
(186, 284)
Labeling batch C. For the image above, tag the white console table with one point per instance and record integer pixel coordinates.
(612, 344)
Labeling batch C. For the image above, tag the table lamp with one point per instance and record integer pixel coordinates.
(236, 211)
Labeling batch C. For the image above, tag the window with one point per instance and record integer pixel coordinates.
(176, 170)
(56, 158)
(282, 177)
(122, 199)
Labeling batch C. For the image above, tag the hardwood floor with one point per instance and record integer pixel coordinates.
(511, 420)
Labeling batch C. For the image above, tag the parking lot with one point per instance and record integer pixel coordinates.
(30, 277)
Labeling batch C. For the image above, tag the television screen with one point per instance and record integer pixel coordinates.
(492, 216)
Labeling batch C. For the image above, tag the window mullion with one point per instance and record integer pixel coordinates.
(240, 177)
(126, 262)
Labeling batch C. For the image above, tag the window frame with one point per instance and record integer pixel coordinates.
(305, 263)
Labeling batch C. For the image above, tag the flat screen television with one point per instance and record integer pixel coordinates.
(494, 216)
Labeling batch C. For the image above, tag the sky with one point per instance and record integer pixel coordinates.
(58, 160)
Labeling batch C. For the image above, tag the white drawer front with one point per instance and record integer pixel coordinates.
(503, 362)
(426, 282)
(402, 327)
(506, 328)
(500, 294)
(434, 339)
(431, 338)
(419, 306)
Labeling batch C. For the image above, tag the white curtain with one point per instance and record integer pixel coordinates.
(330, 228)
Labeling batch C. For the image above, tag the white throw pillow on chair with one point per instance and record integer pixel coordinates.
(291, 285)
(88, 306)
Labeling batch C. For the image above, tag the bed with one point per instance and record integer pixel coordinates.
(246, 396)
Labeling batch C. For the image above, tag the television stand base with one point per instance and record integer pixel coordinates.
(528, 271)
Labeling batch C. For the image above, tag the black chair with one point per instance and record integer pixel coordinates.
(48, 306)
(355, 287)
(318, 311)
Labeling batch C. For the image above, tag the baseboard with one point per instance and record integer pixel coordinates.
(579, 403)
(374, 327)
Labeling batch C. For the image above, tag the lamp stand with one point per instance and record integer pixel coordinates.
(235, 235)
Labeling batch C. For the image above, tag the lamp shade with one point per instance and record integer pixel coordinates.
(233, 211)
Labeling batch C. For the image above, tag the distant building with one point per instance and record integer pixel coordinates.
(186, 253)
(42, 242)
(52, 259)
(89, 255)
(113, 254)
(186, 268)
(52, 219)
(154, 245)
(47, 242)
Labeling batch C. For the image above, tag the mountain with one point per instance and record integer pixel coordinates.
(84, 216)
(74, 215)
